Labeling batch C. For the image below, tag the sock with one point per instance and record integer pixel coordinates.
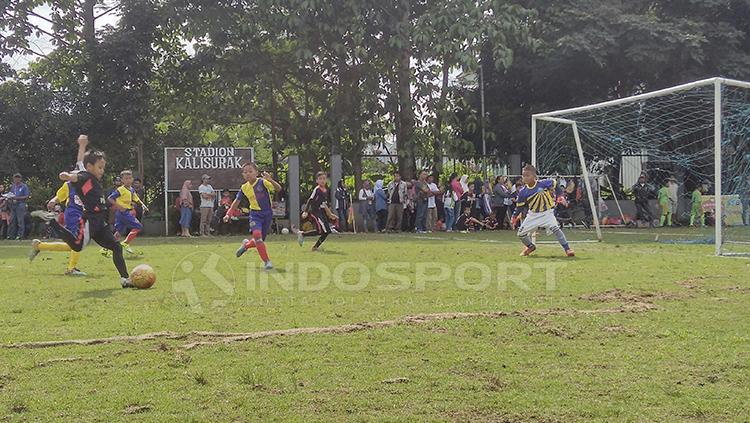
(561, 237)
(131, 236)
(54, 246)
(119, 261)
(669, 219)
(73, 261)
(662, 219)
(526, 239)
(258, 243)
(320, 240)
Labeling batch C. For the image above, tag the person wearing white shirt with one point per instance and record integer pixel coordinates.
(208, 196)
(366, 205)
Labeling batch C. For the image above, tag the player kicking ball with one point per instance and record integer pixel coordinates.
(317, 210)
(257, 191)
(89, 192)
(538, 198)
(123, 199)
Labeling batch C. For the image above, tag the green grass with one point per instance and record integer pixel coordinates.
(684, 357)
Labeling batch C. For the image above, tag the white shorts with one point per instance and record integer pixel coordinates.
(534, 221)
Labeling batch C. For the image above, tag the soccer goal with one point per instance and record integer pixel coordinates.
(692, 140)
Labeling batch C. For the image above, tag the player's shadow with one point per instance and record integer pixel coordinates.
(330, 253)
(98, 293)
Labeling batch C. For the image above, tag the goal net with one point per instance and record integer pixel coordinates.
(690, 142)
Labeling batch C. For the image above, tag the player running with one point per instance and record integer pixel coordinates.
(257, 191)
(124, 199)
(538, 198)
(317, 210)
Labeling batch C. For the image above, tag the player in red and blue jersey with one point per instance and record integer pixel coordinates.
(537, 198)
(257, 191)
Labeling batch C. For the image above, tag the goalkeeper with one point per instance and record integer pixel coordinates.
(538, 197)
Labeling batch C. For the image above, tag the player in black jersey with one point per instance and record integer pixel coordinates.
(318, 211)
(88, 188)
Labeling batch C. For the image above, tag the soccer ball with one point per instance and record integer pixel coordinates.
(143, 276)
(285, 231)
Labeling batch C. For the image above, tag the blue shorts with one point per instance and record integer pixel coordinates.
(126, 220)
(73, 221)
(261, 220)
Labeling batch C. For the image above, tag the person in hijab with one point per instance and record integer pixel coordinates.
(381, 205)
(186, 208)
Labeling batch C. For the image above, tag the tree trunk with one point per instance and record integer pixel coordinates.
(90, 44)
(439, 118)
(405, 143)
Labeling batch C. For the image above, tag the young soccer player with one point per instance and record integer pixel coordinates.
(538, 198)
(696, 211)
(319, 212)
(123, 200)
(66, 195)
(257, 191)
(90, 193)
(664, 204)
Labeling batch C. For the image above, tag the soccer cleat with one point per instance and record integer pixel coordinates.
(105, 252)
(34, 249)
(45, 216)
(242, 249)
(570, 253)
(528, 250)
(268, 265)
(74, 272)
(126, 283)
(126, 247)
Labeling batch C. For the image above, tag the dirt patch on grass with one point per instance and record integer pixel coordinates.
(136, 409)
(487, 416)
(210, 338)
(619, 295)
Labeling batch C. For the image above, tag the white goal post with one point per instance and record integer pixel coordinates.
(634, 115)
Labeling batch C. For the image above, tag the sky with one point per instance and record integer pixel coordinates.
(43, 43)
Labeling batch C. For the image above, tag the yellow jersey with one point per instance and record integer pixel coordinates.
(125, 197)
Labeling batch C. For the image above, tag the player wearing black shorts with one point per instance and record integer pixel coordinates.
(88, 188)
(317, 211)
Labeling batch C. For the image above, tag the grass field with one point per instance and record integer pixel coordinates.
(381, 327)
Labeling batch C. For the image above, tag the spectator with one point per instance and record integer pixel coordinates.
(342, 205)
(224, 203)
(366, 204)
(208, 197)
(463, 223)
(465, 194)
(458, 192)
(397, 197)
(409, 219)
(477, 209)
(508, 202)
(500, 193)
(186, 209)
(141, 192)
(432, 211)
(421, 195)
(4, 213)
(381, 205)
(696, 211)
(745, 194)
(449, 205)
(643, 192)
(17, 205)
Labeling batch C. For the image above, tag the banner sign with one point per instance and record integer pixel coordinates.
(222, 164)
(731, 208)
